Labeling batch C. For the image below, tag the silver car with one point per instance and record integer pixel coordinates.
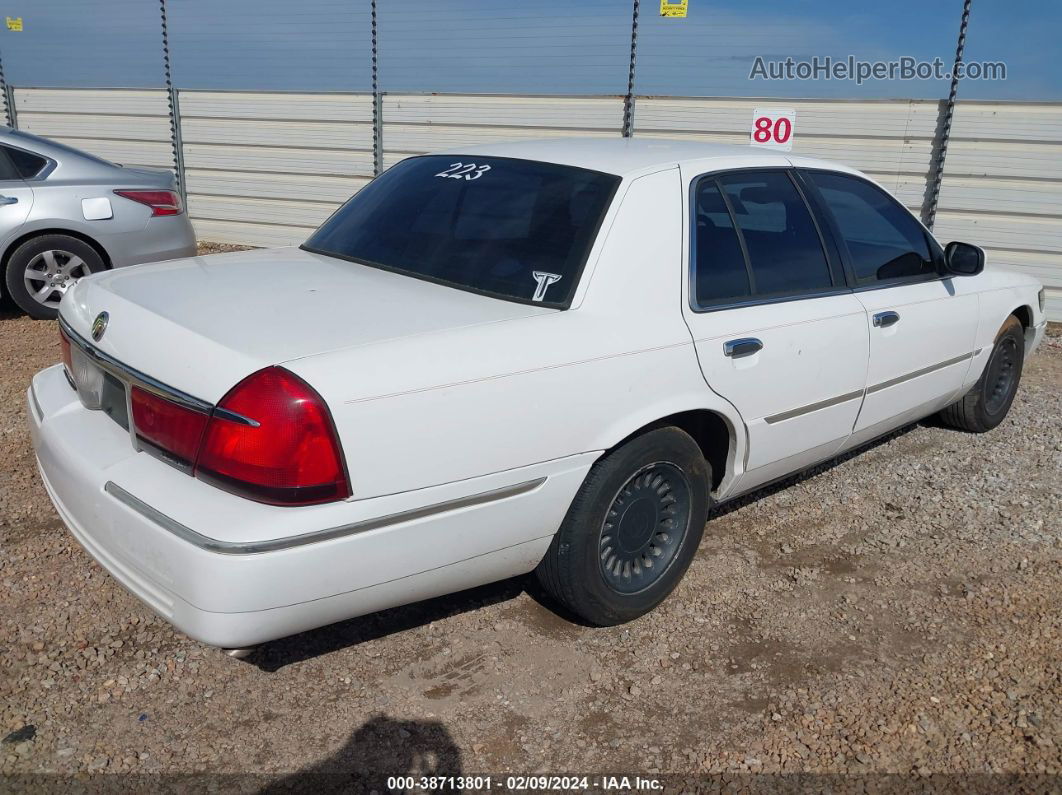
(65, 213)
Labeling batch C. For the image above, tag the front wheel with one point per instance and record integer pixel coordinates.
(988, 401)
(41, 270)
(631, 531)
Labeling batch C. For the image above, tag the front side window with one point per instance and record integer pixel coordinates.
(885, 243)
(514, 229)
(755, 238)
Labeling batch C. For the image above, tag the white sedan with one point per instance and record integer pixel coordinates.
(550, 356)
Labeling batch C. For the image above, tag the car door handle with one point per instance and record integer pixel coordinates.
(886, 319)
(5, 200)
(745, 346)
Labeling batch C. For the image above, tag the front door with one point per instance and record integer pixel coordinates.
(921, 341)
(921, 330)
(777, 332)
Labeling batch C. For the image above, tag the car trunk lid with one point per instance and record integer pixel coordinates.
(201, 324)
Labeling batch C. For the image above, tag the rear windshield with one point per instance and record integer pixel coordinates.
(514, 229)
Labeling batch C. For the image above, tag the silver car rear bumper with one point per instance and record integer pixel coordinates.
(163, 237)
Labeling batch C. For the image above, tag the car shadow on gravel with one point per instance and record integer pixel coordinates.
(273, 656)
(763, 492)
(382, 749)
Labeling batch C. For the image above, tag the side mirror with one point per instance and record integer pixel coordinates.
(963, 259)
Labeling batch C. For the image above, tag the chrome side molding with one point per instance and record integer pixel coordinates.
(272, 545)
(822, 404)
(788, 415)
(923, 371)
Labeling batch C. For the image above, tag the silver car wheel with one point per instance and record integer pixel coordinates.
(51, 273)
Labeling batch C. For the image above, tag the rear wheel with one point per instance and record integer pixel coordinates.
(41, 270)
(988, 401)
(631, 531)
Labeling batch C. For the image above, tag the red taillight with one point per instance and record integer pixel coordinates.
(161, 202)
(285, 452)
(64, 347)
(270, 439)
(166, 425)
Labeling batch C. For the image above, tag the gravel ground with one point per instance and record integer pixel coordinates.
(217, 248)
(897, 611)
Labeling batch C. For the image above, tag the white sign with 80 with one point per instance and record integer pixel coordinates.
(773, 128)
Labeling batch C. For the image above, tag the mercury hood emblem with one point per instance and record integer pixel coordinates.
(99, 325)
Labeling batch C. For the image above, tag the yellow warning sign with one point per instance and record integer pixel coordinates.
(673, 8)
(15, 24)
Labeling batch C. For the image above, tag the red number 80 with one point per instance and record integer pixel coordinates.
(780, 130)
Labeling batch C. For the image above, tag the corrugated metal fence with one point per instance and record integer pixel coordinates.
(891, 141)
(131, 127)
(265, 168)
(1002, 188)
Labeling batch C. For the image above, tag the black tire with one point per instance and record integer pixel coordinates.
(655, 538)
(988, 401)
(70, 258)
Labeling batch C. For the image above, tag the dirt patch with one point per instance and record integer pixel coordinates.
(218, 248)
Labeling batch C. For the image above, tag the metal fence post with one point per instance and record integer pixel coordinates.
(9, 99)
(178, 141)
(949, 112)
(9, 106)
(628, 101)
(377, 103)
(174, 107)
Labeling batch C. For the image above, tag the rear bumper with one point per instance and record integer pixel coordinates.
(240, 597)
(163, 237)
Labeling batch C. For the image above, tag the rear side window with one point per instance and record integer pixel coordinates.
(27, 164)
(720, 270)
(514, 229)
(7, 168)
(885, 243)
(755, 237)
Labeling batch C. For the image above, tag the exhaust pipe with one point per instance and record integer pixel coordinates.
(240, 654)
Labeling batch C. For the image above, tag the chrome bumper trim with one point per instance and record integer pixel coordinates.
(130, 375)
(317, 536)
(36, 404)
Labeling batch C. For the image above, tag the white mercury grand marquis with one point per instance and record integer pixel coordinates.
(550, 356)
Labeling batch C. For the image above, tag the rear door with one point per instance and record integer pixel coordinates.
(921, 330)
(16, 199)
(778, 333)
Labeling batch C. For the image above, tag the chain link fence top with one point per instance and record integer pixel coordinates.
(505, 48)
(73, 43)
(712, 51)
(1024, 38)
(555, 47)
(269, 45)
